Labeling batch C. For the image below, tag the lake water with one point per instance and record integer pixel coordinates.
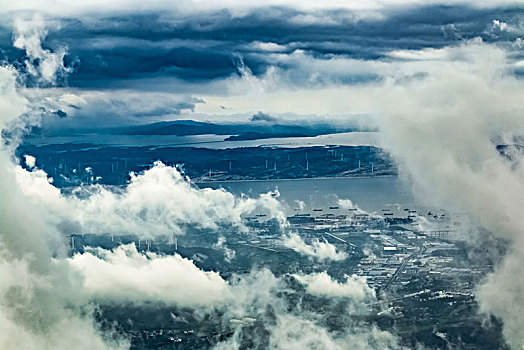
(211, 141)
(371, 194)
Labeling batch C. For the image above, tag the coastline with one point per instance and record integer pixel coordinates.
(292, 179)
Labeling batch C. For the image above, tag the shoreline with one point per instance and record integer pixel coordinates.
(295, 179)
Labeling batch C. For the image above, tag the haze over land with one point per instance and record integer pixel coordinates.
(105, 110)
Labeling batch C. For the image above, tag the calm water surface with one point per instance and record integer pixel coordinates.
(211, 141)
(371, 193)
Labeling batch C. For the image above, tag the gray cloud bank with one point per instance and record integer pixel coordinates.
(444, 130)
(155, 62)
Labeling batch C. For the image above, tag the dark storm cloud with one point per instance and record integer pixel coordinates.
(263, 117)
(108, 51)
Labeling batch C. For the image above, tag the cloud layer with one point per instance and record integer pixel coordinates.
(316, 249)
(125, 275)
(140, 55)
(444, 130)
(160, 202)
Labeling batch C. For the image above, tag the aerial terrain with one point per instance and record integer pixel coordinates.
(262, 175)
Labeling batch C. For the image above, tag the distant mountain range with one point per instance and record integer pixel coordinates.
(245, 131)
(234, 132)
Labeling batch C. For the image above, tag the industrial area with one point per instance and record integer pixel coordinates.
(416, 263)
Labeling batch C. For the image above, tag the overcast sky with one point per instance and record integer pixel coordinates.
(136, 62)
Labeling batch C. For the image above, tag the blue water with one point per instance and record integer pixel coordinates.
(371, 194)
(211, 141)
